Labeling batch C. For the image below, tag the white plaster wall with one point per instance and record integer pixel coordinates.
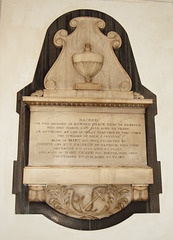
(22, 30)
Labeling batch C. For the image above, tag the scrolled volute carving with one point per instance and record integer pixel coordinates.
(116, 39)
(101, 24)
(59, 41)
(73, 23)
(59, 38)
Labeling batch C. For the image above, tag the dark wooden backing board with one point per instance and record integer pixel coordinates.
(49, 54)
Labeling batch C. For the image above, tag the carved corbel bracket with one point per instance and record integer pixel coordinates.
(140, 193)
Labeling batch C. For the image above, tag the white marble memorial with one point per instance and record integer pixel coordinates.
(87, 129)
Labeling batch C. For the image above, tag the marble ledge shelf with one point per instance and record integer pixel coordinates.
(30, 100)
(88, 93)
(88, 175)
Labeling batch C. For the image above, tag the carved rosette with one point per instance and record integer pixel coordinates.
(89, 201)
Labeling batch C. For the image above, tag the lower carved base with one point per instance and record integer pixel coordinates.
(88, 201)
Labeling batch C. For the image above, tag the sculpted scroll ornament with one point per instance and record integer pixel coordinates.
(69, 69)
(89, 201)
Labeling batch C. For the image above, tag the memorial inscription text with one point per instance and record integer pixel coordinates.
(87, 139)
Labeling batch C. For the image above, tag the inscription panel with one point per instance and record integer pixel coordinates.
(87, 138)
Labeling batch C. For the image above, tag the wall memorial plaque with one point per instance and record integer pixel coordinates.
(87, 154)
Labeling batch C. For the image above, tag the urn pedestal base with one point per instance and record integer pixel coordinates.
(88, 86)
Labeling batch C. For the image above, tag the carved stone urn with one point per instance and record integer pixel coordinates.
(88, 64)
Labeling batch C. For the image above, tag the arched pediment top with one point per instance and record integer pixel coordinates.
(69, 73)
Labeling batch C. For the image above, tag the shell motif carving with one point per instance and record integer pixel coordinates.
(89, 201)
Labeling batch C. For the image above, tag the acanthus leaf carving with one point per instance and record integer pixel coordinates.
(137, 95)
(37, 93)
(90, 201)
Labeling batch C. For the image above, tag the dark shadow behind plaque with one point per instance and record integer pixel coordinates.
(49, 54)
